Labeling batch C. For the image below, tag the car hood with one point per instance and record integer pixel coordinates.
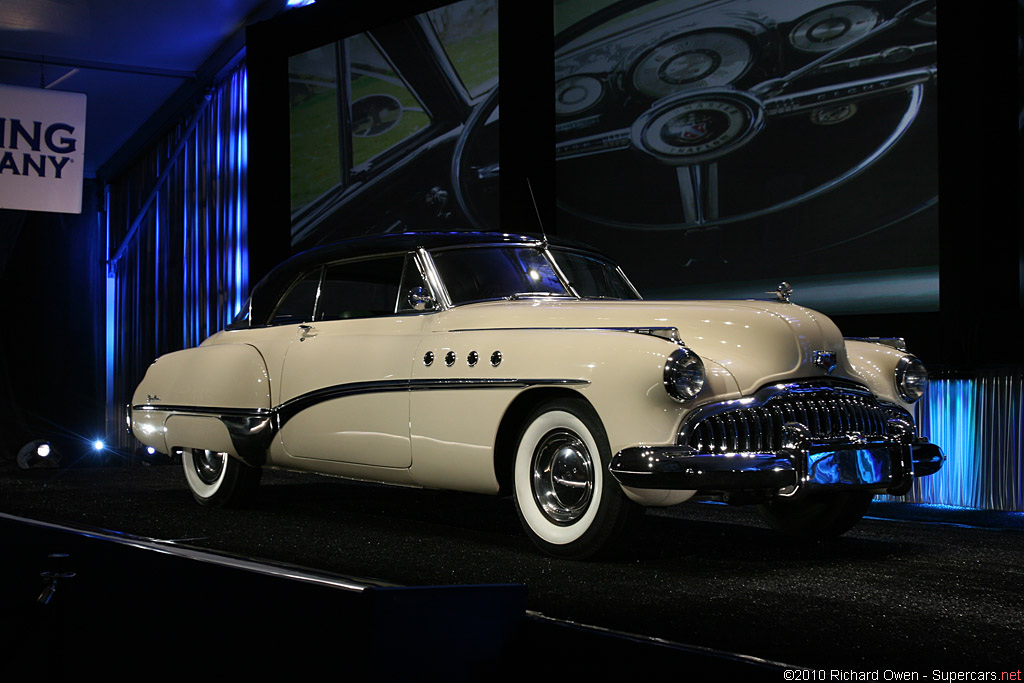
(758, 342)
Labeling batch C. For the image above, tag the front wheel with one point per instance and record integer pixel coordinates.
(217, 479)
(569, 504)
(817, 516)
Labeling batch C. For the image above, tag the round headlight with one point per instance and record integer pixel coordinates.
(684, 374)
(911, 378)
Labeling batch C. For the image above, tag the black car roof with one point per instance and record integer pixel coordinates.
(272, 287)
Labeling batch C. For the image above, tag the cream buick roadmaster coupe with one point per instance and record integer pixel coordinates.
(497, 363)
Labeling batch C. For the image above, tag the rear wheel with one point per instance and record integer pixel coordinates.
(817, 516)
(217, 479)
(569, 504)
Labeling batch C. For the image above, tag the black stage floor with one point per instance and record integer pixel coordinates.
(926, 590)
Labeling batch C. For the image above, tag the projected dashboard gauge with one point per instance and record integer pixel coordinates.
(576, 94)
(833, 27)
(697, 60)
(688, 117)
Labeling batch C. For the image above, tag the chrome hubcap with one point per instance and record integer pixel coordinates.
(208, 465)
(563, 477)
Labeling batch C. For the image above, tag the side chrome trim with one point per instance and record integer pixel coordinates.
(252, 429)
(356, 388)
(897, 343)
(206, 410)
(667, 333)
(294, 406)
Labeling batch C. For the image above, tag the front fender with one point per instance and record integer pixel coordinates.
(875, 364)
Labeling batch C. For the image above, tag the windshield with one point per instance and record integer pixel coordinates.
(475, 274)
(503, 272)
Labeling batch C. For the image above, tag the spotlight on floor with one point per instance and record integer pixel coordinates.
(151, 456)
(98, 445)
(38, 454)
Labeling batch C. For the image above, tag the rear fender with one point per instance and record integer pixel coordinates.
(215, 397)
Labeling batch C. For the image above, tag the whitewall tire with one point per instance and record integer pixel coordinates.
(569, 504)
(217, 479)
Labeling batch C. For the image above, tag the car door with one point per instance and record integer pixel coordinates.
(345, 377)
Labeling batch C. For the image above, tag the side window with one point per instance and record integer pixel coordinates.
(361, 289)
(593, 278)
(298, 304)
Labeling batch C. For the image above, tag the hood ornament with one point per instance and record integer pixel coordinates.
(826, 360)
(783, 292)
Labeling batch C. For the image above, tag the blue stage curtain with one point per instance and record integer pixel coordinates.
(177, 241)
(979, 424)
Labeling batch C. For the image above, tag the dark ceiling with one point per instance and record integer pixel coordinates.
(130, 57)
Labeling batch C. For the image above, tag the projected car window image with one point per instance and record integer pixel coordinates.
(383, 113)
(396, 127)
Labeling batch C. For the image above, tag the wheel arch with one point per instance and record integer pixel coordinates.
(512, 422)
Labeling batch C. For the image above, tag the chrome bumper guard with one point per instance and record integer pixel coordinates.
(881, 466)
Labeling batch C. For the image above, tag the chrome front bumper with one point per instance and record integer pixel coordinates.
(889, 467)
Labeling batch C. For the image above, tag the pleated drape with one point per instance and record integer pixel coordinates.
(178, 241)
(979, 424)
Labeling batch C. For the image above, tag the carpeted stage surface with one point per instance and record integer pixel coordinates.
(910, 588)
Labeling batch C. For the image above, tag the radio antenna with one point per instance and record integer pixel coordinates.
(536, 211)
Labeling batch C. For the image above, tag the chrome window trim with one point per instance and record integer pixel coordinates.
(403, 290)
(546, 251)
(331, 264)
(536, 243)
(433, 279)
(629, 282)
(287, 292)
(600, 258)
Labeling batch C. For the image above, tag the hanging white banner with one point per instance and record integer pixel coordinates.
(42, 149)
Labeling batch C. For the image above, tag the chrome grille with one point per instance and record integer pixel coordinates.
(755, 426)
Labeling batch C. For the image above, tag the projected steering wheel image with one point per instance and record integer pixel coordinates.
(683, 115)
